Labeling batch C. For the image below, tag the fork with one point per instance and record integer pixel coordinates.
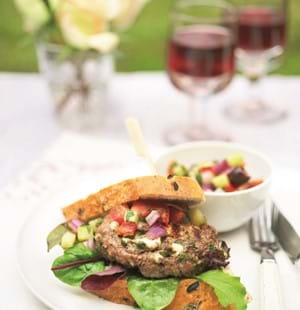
(263, 240)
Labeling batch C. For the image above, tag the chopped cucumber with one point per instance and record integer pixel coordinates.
(68, 240)
(221, 181)
(235, 160)
(196, 216)
(84, 233)
(131, 216)
(95, 223)
(180, 170)
(195, 174)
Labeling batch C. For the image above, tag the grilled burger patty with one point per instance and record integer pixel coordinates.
(187, 250)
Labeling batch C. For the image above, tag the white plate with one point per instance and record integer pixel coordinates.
(34, 262)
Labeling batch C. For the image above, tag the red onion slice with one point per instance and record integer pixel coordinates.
(102, 280)
(152, 217)
(74, 224)
(156, 231)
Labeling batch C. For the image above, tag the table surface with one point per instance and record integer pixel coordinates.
(28, 125)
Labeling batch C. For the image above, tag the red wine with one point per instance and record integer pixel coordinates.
(198, 54)
(261, 28)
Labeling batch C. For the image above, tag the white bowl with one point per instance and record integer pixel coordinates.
(224, 211)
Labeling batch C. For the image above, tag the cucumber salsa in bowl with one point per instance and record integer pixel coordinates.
(226, 175)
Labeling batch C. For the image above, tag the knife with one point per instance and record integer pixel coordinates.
(286, 235)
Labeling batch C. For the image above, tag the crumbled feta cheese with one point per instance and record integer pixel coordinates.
(177, 248)
(157, 257)
(150, 244)
(114, 225)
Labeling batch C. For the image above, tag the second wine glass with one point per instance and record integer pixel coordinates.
(200, 61)
(260, 45)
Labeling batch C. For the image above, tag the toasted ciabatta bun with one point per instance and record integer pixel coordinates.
(190, 295)
(175, 189)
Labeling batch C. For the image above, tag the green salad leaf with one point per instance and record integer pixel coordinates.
(152, 294)
(55, 236)
(74, 275)
(228, 288)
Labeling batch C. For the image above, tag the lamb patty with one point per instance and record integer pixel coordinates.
(186, 251)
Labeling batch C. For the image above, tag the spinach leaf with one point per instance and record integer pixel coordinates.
(152, 294)
(55, 236)
(228, 288)
(74, 275)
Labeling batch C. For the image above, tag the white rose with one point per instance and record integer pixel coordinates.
(84, 25)
(34, 13)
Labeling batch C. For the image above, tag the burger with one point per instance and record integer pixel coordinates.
(145, 243)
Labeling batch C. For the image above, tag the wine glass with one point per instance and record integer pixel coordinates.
(200, 61)
(260, 45)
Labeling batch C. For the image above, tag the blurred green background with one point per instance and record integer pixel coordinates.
(142, 47)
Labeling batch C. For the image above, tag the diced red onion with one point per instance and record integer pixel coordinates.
(220, 167)
(90, 244)
(74, 224)
(156, 231)
(207, 188)
(152, 217)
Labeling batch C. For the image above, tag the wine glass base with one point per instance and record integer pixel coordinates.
(183, 134)
(255, 112)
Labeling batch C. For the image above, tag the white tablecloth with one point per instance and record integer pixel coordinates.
(27, 124)
(27, 127)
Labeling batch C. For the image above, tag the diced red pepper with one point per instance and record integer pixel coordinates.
(230, 188)
(117, 214)
(176, 216)
(254, 182)
(127, 229)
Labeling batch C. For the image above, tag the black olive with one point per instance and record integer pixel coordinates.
(176, 186)
(192, 287)
(238, 177)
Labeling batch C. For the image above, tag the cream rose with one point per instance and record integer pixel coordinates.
(85, 25)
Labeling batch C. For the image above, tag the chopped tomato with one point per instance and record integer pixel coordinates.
(176, 216)
(230, 188)
(127, 229)
(164, 212)
(142, 208)
(117, 214)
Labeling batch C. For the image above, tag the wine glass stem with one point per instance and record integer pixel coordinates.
(196, 118)
(254, 91)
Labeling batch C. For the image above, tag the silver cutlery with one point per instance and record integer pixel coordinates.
(264, 241)
(286, 235)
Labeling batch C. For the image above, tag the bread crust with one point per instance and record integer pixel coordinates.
(181, 189)
(203, 297)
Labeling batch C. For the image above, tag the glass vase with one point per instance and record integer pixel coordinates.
(78, 84)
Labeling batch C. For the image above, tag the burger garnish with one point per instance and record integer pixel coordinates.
(146, 247)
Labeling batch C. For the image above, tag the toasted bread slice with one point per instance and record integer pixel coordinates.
(201, 297)
(176, 189)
